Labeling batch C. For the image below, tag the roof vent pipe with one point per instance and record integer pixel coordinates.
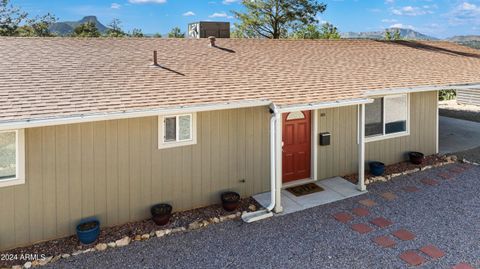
(212, 41)
(155, 61)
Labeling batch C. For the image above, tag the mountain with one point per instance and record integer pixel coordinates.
(404, 33)
(66, 27)
(465, 38)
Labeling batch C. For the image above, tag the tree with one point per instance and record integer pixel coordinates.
(115, 29)
(314, 31)
(38, 26)
(137, 32)
(176, 33)
(88, 29)
(388, 35)
(275, 18)
(157, 35)
(10, 18)
(396, 35)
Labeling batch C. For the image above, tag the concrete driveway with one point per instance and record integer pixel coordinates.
(458, 135)
(425, 220)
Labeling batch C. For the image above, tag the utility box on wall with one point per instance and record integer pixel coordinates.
(204, 29)
(325, 139)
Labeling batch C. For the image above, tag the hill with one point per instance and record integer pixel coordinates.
(66, 27)
(404, 33)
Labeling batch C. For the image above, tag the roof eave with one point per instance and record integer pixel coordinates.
(389, 91)
(32, 123)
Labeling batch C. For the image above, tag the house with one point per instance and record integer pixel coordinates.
(93, 127)
(468, 97)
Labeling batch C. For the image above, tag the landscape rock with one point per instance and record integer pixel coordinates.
(145, 236)
(215, 220)
(205, 223)
(43, 262)
(65, 256)
(252, 207)
(160, 233)
(78, 252)
(168, 231)
(17, 267)
(137, 237)
(123, 242)
(56, 258)
(111, 244)
(89, 250)
(179, 229)
(194, 225)
(27, 265)
(101, 246)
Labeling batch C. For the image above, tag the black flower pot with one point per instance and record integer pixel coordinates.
(230, 201)
(88, 231)
(416, 157)
(161, 213)
(377, 168)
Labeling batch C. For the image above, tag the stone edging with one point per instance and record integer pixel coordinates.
(125, 241)
(449, 160)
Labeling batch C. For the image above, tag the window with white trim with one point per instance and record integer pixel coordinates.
(177, 130)
(387, 117)
(12, 158)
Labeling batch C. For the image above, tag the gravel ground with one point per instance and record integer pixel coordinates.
(446, 215)
(464, 112)
(472, 155)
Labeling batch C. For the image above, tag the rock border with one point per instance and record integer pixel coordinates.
(448, 160)
(125, 241)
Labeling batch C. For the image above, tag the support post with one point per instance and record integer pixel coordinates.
(278, 163)
(361, 148)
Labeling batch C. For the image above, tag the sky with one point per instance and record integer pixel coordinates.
(438, 18)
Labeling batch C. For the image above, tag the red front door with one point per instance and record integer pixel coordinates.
(296, 145)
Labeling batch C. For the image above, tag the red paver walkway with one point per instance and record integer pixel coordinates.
(384, 241)
(389, 196)
(404, 235)
(361, 228)
(381, 222)
(367, 202)
(446, 175)
(343, 217)
(411, 189)
(432, 251)
(462, 266)
(429, 181)
(360, 211)
(412, 258)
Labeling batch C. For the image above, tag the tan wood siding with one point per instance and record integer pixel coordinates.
(468, 97)
(340, 158)
(114, 170)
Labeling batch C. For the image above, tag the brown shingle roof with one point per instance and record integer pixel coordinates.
(61, 77)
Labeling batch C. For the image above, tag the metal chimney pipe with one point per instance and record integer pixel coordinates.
(155, 61)
(212, 41)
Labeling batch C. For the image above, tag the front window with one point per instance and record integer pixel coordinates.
(177, 130)
(387, 117)
(11, 158)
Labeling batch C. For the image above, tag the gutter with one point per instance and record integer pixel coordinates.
(378, 92)
(11, 125)
(323, 105)
(267, 213)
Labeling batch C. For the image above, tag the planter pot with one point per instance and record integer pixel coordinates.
(230, 201)
(161, 213)
(88, 231)
(377, 168)
(416, 157)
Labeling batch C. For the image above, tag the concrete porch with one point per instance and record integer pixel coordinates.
(335, 189)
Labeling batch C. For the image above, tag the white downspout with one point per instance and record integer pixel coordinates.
(266, 213)
(361, 148)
